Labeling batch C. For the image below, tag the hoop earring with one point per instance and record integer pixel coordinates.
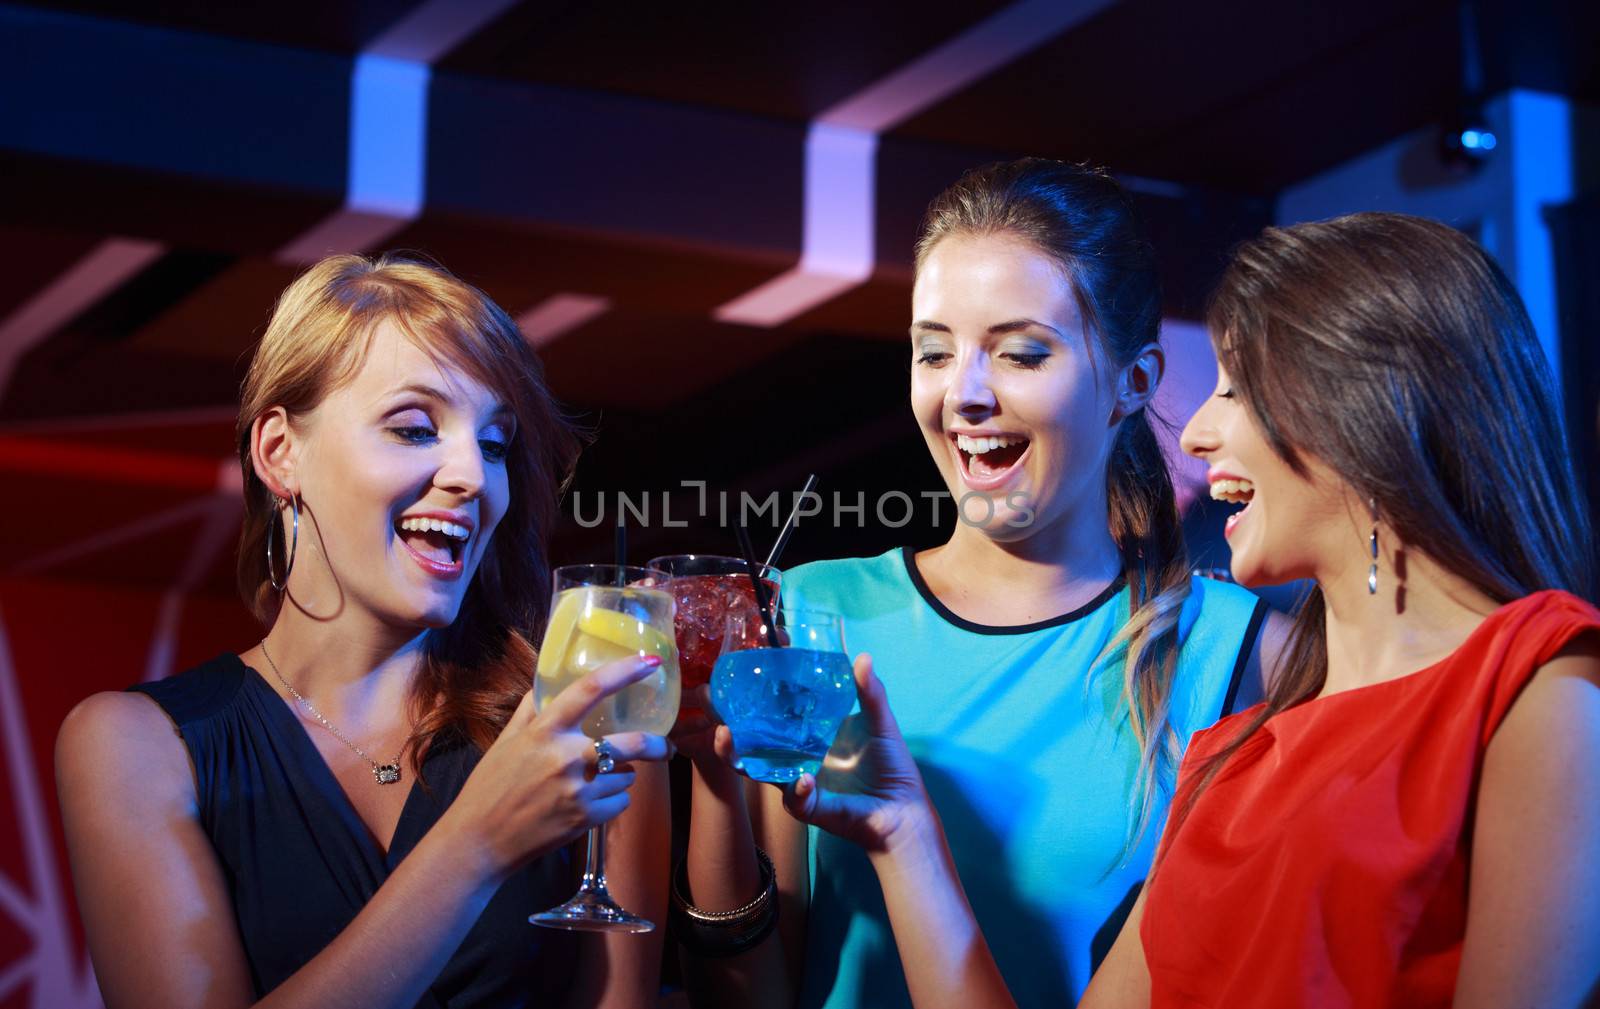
(294, 544)
(1372, 572)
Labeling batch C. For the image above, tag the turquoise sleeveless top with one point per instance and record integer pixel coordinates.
(1028, 756)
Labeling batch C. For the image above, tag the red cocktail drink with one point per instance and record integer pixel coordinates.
(704, 603)
(707, 589)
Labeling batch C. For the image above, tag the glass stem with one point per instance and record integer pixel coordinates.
(594, 868)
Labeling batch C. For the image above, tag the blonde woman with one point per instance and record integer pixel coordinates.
(1048, 663)
(363, 808)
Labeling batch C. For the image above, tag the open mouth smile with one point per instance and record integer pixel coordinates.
(436, 543)
(987, 461)
(1233, 490)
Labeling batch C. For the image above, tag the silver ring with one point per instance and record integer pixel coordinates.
(605, 759)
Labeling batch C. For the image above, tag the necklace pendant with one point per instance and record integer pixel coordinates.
(387, 774)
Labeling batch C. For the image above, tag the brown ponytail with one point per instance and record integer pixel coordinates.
(1083, 219)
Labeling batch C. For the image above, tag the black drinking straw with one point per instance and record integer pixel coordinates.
(620, 544)
(763, 599)
(788, 527)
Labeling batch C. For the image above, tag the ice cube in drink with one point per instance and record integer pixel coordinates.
(784, 706)
(704, 603)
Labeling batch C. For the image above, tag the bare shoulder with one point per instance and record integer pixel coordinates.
(110, 738)
(1550, 737)
(139, 854)
(1563, 694)
(1579, 658)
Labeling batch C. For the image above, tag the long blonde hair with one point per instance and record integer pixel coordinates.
(475, 670)
(1085, 220)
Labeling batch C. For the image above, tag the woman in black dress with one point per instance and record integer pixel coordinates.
(364, 808)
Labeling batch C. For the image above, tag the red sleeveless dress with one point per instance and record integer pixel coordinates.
(1326, 865)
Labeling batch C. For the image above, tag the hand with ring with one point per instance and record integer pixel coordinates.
(544, 783)
(605, 756)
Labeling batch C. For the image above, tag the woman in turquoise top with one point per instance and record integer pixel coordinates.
(1048, 663)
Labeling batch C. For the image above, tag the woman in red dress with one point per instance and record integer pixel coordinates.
(1411, 818)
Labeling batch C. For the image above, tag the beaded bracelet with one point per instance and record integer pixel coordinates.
(718, 934)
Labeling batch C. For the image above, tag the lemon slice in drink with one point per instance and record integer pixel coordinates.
(627, 632)
(558, 632)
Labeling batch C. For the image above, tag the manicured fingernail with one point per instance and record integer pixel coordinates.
(650, 661)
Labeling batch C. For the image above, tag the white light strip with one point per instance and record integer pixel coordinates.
(388, 136)
(52, 946)
(837, 240)
(221, 526)
(837, 246)
(388, 148)
(388, 152)
(17, 971)
(103, 270)
(1541, 176)
(560, 314)
(970, 56)
(16, 907)
(434, 28)
(105, 539)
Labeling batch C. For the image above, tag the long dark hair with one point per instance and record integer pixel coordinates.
(475, 670)
(1086, 221)
(1394, 350)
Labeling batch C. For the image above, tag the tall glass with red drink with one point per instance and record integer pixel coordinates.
(709, 588)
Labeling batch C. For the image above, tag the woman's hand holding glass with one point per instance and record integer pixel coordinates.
(869, 790)
(536, 788)
(694, 733)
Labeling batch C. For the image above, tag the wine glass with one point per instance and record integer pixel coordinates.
(707, 588)
(602, 613)
(783, 692)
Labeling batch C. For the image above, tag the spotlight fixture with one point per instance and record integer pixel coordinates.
(1466, 143)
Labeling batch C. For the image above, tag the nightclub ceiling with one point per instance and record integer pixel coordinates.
(624, 179)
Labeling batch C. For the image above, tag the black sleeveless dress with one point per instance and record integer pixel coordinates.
(300, 864)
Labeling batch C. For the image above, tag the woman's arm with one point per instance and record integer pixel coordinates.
(884, 807)
(622, 970)
(946, 960)
(1123, 980)
(1533, 911)
(728, 818)
(155, 907)
(156, 910)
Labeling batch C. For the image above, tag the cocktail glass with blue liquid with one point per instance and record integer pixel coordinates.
(782, 693)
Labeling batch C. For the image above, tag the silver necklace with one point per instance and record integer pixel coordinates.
(387, 774)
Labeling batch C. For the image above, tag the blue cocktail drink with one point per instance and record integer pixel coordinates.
(783, 704)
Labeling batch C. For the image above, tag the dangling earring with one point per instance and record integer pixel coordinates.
(294, 544)
(1372, 572)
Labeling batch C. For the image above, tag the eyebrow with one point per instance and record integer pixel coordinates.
(998, 329)
(500, 412)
